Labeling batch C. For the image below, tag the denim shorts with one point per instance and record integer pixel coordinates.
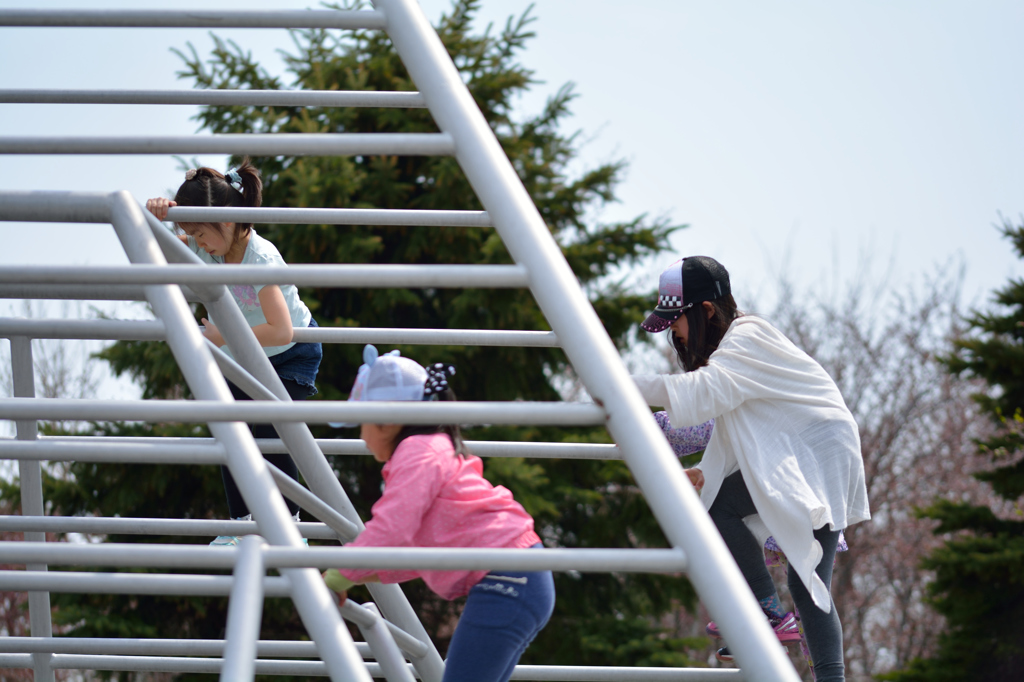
(300, 363)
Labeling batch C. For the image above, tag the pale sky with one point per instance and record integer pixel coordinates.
(796, 136)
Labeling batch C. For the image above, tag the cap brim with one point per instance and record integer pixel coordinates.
(659, 322)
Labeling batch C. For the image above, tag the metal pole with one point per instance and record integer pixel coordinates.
(593, 355)
(257, 144)
(319, 412)
(300, 443)
(31, 477)
(336, 276)
(382, 644)
(134, 18)
(245, 610)
(247, 466)
(329, 216)
(270, 98)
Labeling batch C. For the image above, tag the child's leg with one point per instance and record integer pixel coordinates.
(283, 461)
(732, 504)
(500, 620)
(823, 631)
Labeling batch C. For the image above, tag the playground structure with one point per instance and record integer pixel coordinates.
(168, 276)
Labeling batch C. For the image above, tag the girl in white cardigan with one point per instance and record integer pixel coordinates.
(784, 453)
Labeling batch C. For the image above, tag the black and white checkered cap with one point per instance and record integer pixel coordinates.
(684, 284)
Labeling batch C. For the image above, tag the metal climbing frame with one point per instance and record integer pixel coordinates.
(164, 273)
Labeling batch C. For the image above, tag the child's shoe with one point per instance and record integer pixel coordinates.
(230, 540)
(787, 628)
(724, 655)
(225, 541)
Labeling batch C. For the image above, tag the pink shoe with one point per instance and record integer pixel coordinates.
(787, 628)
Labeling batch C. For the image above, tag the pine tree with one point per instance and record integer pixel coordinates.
(979, 571)
(600, 619)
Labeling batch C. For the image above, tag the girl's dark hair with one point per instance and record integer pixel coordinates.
(704, 333)
(209, 187)
(452, 430)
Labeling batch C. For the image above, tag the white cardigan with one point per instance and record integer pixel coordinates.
(779, 419)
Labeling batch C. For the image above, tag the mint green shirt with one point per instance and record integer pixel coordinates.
(259, 252)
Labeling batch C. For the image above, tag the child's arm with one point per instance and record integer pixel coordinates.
(158, 206)
(688, 439)
(340, 584)
(278, 329)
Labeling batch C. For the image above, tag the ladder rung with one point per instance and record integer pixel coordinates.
(591, 559)
(270, 98)
(153, 330)
(151, 647)
(98, 292)
(369, 276)
(427, 337)
(108, 18)
(330, 216)
(256, 144)
(208, 451)
(314, 412)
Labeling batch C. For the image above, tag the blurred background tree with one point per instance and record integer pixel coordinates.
(979, 570)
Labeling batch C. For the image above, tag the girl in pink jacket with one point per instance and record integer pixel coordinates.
(436, 496)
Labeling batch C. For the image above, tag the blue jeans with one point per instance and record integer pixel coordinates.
(300, 364)
(503, 613)
(297, 368)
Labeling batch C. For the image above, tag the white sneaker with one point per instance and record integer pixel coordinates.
(225, 541)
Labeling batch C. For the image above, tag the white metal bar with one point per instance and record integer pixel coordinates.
(41, 328)
(66, 448)
(376, 633)
(32, 504)
(154, 646)
(133, 583)
(159, 664)
(295, 492)
(153, 330)
(143, 453)
(72, 292)
(382, 558)
(110, 18)
(271, 98)
(329, 216)
(427, 337)
(105, 525)
(593, 355)
(318, 412)
(375, 276)
(257, 144)
(245, 611)
(536, 673)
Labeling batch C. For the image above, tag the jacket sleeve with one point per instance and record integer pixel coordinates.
(415, 478)
(741, 369)
(688, 439)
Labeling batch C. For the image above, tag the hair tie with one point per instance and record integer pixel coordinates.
(190, 174)
(437, 380)
(234, 179)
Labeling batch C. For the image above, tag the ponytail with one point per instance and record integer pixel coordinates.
(205, 186)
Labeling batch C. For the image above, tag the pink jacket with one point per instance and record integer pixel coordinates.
(434, 498)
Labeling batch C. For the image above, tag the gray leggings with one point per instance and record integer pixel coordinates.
(823, 631)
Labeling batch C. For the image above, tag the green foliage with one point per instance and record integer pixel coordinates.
(979, 572)
(600, 619)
